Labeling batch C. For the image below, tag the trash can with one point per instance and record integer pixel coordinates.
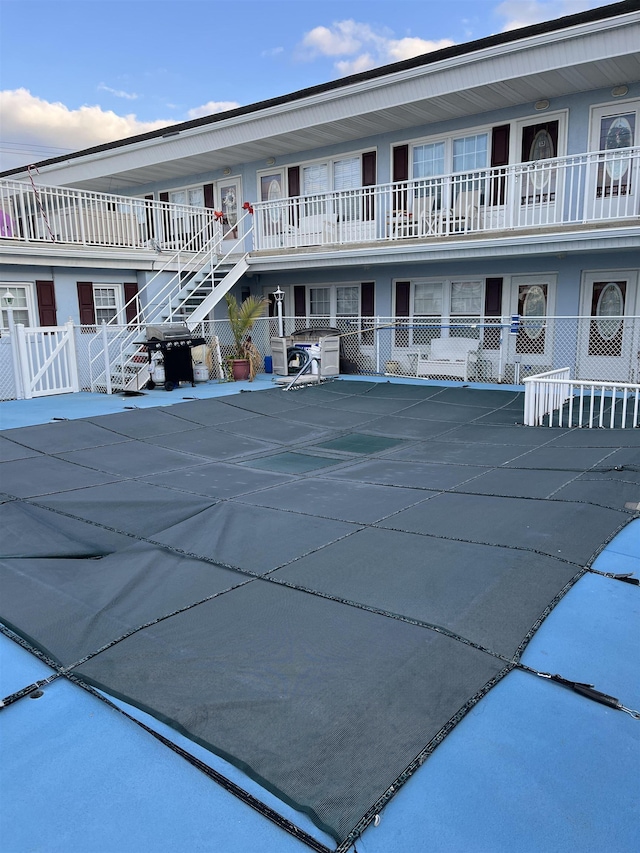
(268, 364)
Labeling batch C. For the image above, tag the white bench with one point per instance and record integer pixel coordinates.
(448, 357)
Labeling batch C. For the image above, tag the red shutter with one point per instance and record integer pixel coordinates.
(492, 308)
(208, 196)
(85, 303)
(367, 307)
(366, 298)
(151, 231)
(293, 176)
(368, 180)
(369, 169)
(166, 219)
(132, 309)
(403, 290)
(500, 145)
(401, 163)
(499, 157)
(300, 300)
(400, 173)
(46, 295)
(293, 181)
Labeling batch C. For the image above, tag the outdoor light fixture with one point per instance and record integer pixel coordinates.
(226, 171)
(278, 295)
(542, 105)
(271, 161)
(619, 91)
(8, 298)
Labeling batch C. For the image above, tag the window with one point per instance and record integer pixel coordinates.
(347, 301)
(319, 301)
(464, 154)
(470, 153)
(105, 299)
(444, 308)
(334, 301)
(194, 197)
(459, 156)
(22, 303)
(466, 298)
(337, 175)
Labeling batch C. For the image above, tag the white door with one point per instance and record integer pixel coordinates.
(608, 336)
(532, 298)
(229, 204)
(612, 191)
(539, 182)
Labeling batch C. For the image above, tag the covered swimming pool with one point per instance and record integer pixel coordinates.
(312, 619)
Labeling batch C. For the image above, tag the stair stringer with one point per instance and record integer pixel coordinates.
(219, 291)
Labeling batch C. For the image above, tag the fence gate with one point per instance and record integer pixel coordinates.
(46, 362)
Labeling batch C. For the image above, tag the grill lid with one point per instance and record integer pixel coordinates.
(168, 332)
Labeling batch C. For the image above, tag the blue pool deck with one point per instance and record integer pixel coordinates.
(532, 767)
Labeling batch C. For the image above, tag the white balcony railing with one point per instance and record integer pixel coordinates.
(38, 214)
(580, 189)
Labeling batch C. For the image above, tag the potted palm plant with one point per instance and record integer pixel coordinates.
(245, 361)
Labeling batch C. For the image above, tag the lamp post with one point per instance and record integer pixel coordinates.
(279, 297)
(8, 299)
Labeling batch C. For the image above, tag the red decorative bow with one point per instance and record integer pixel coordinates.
(247, 206)
(218, 214)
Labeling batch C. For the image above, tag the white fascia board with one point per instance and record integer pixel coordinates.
(572, 242)
(497, 64)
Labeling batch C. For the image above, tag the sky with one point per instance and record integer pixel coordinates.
(81, 73)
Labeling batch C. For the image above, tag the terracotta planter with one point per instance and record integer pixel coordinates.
(240, 369)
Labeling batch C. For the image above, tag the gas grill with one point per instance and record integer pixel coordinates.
(174, 341)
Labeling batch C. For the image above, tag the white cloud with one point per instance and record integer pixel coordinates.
(274, 51)
(33, 121)
(366, 47)
(119, 93)
(522, 13)
(212, 107)
(34, 129)
(342, 38)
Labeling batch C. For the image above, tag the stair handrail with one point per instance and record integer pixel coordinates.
(129, 332)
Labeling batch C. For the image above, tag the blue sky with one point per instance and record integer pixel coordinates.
(75, 74)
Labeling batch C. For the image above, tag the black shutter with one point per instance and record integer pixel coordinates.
(85, 303)
(499, 157)
(300, 300)
(367, 308)
(403, 291)
(46, 295)
(133, 309)
(208, 196)
(400, 173)
(368, 180)
(492, 308)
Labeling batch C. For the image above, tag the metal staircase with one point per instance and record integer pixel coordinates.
(201, 279)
